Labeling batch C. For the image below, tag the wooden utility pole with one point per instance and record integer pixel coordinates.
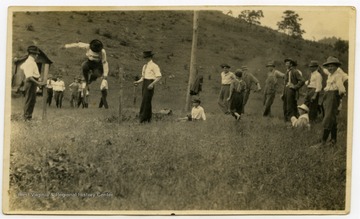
(44, 89)
(120, 93)
(193, 60)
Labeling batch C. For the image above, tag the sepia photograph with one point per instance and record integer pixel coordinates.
(179, 110)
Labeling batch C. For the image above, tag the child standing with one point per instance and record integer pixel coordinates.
(104, 88)
(83, 94)
(74, 89)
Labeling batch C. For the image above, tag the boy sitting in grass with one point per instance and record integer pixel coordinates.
(197, 112)
(303, 120)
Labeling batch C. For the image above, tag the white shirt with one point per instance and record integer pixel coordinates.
(227, 78)
(104, 85)
(93, 56)
(302, 121)
(59, 85)
(49, 83)
(315, 81)
(30, 68)
(151, 71)
(198, 113)
(335, 81)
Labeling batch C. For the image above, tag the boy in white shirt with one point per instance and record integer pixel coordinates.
(303, 120)
(59, 87)
(197, 112)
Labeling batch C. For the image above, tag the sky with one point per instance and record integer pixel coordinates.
(318, 22)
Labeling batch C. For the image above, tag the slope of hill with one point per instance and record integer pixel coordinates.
(169, 34)
(258, 163)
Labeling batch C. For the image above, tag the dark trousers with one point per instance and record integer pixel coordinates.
(58, 98)
(91, 70)
(30, 99)
(146, 109)
(74, 99)
(331, 104)
(224, 94)
(246, 97)
(49, 96)
(312, 104)
(236, 102)
(267, 102)
(103, 101)
(290, 103)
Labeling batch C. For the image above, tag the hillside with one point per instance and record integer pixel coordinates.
(169, 34)
(83, 159)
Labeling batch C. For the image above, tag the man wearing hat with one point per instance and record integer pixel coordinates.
(303, 120)
(32, 75)
(270, 87)
(334, 91)
(293, 82)
(249, 79)
(226, 78)
(150, 76)
(49, 89)
(59, 87)
(96, 64)
(314, 86)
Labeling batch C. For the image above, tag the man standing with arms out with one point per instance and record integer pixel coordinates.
(293, 82)
(96, 64)
(314, 86)
(270, 87)
(227, 78)
(249, 79)
(32, 75)
(150, 76)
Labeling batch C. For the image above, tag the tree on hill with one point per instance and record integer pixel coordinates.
(291, 24)
(251, 17)
(328, 40)
(341, 46)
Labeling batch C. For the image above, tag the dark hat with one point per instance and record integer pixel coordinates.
(292, 61)
(59, 76)
(96, 45)
(225, 65)
(314, 63)
(332, 60)
(196, 101)
(238, 72)
(147, 54)
(33, 50)
(270, 64)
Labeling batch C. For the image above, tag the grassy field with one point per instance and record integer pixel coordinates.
(83, 159)
(221, 164)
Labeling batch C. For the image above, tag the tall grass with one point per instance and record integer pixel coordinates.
(220, 164)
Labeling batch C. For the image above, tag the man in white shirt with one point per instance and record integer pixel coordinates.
(96, 65)
(32, 75)
(150, 76)
(314, 86)
(59, 87)
(227, 78)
